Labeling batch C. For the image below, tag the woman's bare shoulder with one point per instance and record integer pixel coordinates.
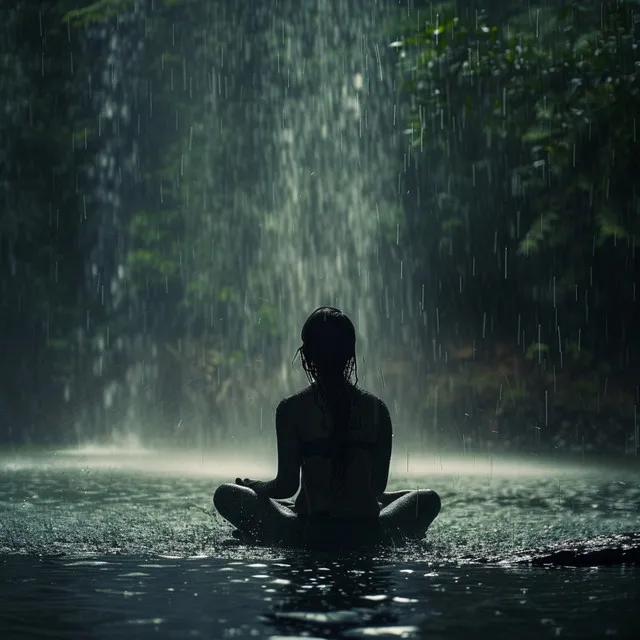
(301, 399)
(297, 399)
(366, 398)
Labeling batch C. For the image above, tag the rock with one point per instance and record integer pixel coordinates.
(603, 551)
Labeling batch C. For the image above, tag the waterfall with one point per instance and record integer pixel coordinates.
(256, 147)
(328, 200)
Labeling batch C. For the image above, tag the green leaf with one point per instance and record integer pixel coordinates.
(536, 134)
(609, 225)
(536, 350)
(539, 231)
(96, 12)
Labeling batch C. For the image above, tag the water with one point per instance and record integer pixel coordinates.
(329, 197)
(103, 543)
(294, 597)
(145, 501)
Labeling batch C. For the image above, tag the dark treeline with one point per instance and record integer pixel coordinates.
(518, 213)
(522, 185)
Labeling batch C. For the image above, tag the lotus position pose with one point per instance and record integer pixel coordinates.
(334, 449)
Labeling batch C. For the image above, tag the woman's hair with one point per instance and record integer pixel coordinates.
(328, 356)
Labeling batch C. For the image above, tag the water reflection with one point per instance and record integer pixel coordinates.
(305, 595)
(40, 600)
(350, 597)
(329, 595)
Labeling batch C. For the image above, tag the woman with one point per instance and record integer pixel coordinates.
(334, 445)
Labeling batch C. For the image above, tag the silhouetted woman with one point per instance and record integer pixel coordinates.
(334, 445)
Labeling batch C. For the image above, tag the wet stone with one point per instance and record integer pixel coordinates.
(601, 551)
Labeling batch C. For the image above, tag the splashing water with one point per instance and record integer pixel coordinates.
(330, 193)
(313, 219)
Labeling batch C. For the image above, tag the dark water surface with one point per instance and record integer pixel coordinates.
(106, 544)
(289, 597)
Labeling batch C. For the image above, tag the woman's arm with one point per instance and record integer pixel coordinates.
(286, 482)
(382, 452)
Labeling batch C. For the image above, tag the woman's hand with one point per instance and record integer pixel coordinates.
(258, 486)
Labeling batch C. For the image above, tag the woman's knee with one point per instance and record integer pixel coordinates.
(431, 500)
(222, 497)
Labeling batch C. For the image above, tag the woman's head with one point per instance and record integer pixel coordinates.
(328, 355)
(328, 350)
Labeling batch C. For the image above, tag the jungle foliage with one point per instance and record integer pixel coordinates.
(523, 190)
(519, 198)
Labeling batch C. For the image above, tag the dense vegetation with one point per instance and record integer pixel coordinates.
(519, 213)
(523, 189)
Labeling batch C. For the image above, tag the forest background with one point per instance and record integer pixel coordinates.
(518, 215)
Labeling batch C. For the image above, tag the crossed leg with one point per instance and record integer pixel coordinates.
(265, 519)
(409, 512)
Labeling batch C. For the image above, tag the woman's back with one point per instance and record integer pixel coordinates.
(365, 448)
(334, 445)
